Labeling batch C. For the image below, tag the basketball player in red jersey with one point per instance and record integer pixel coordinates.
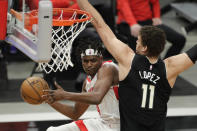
(99, 88)
(145, 81)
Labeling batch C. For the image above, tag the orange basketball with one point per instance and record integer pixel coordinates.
(32, 90)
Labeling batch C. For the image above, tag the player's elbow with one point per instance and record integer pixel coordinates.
(97, 99)
(74, 115)
(97, 102)
(75, 118)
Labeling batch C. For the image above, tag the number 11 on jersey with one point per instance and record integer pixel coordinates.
(145, 87)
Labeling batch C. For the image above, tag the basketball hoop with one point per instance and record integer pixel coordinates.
(67, 24)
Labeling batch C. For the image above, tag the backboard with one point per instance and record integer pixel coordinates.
(32, 36)
(45, 33)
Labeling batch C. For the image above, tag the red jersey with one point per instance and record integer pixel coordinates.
(132, 11)
(33, 4)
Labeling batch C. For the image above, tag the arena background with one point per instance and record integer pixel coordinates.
(15, 114)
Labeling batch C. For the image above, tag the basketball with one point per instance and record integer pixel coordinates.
(32, 90)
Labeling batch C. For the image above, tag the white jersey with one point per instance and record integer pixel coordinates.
(108, 110)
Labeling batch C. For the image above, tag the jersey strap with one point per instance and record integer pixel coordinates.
(109, 61)
(98, 109)
(81, 125)
(115, 88)
(88, 79)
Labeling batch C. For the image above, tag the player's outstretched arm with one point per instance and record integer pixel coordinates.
(73, 112)
(119, 50)
(106, 77)
(179, 63)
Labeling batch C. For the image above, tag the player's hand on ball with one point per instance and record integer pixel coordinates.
(53, 95)
(48, 99)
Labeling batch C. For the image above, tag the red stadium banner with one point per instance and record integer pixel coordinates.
(3, 18)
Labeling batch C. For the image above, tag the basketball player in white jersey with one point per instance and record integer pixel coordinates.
(99, 88)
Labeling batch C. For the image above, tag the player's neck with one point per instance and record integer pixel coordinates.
(152, 60)
(91, 76)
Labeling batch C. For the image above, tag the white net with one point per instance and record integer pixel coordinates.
(62, 40)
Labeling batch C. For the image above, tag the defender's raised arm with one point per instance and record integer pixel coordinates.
(118, 49)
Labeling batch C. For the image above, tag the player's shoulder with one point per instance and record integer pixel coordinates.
(109, 70)
(138, 59)
(108, 66)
